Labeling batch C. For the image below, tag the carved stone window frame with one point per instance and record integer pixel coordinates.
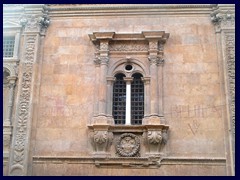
(12, 29)
(10, 64)
(124, 48)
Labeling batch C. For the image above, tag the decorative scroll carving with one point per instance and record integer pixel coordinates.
(128, 145)
(23, 110)
(230, 51)
(155, 140)
(128, 46)
(101, 140)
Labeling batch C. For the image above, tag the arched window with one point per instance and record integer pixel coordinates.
(119, 99)
(128, 99)
(137, 99)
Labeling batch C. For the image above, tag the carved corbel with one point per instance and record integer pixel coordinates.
(101, 140)
(155, 139)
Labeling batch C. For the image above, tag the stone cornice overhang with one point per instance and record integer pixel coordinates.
(73, 10)
(145, 35)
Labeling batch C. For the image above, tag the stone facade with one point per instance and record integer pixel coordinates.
(58, 89)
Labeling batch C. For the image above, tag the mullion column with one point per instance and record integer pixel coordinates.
(128, 99)
(12, 81)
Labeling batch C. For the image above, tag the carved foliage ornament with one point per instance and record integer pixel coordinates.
(230, 49)
(100, 137)
(128, 145)
(23, 110)
(128, 46)
(154, 137)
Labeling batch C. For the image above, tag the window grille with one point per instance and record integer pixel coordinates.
(119, 99)
(137, 100)
(8, 46)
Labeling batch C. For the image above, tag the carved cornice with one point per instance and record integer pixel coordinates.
(129, 9)
(143, 42)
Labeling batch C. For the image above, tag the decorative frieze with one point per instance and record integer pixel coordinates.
(128, 46)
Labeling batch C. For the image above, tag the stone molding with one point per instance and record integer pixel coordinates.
(131, 162)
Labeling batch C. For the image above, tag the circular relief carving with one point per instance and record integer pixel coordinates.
(128, 145)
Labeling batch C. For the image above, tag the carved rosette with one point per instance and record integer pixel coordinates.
(128, 145)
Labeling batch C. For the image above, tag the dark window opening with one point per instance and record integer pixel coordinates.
(119, 99)
(137, 100)
(128, 67)
(8, 46)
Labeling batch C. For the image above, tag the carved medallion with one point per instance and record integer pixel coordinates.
(128, 145)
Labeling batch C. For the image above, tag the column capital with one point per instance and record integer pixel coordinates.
(223, 17)
(35, 21)
(156, 60)
(12, 79)
(110, 80)
(128, 79)
(146, 80)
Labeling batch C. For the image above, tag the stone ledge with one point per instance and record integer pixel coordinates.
(131, 162)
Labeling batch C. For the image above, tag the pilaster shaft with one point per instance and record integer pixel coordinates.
(34, 22)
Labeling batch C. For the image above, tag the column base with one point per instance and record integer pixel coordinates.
(153, 120)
